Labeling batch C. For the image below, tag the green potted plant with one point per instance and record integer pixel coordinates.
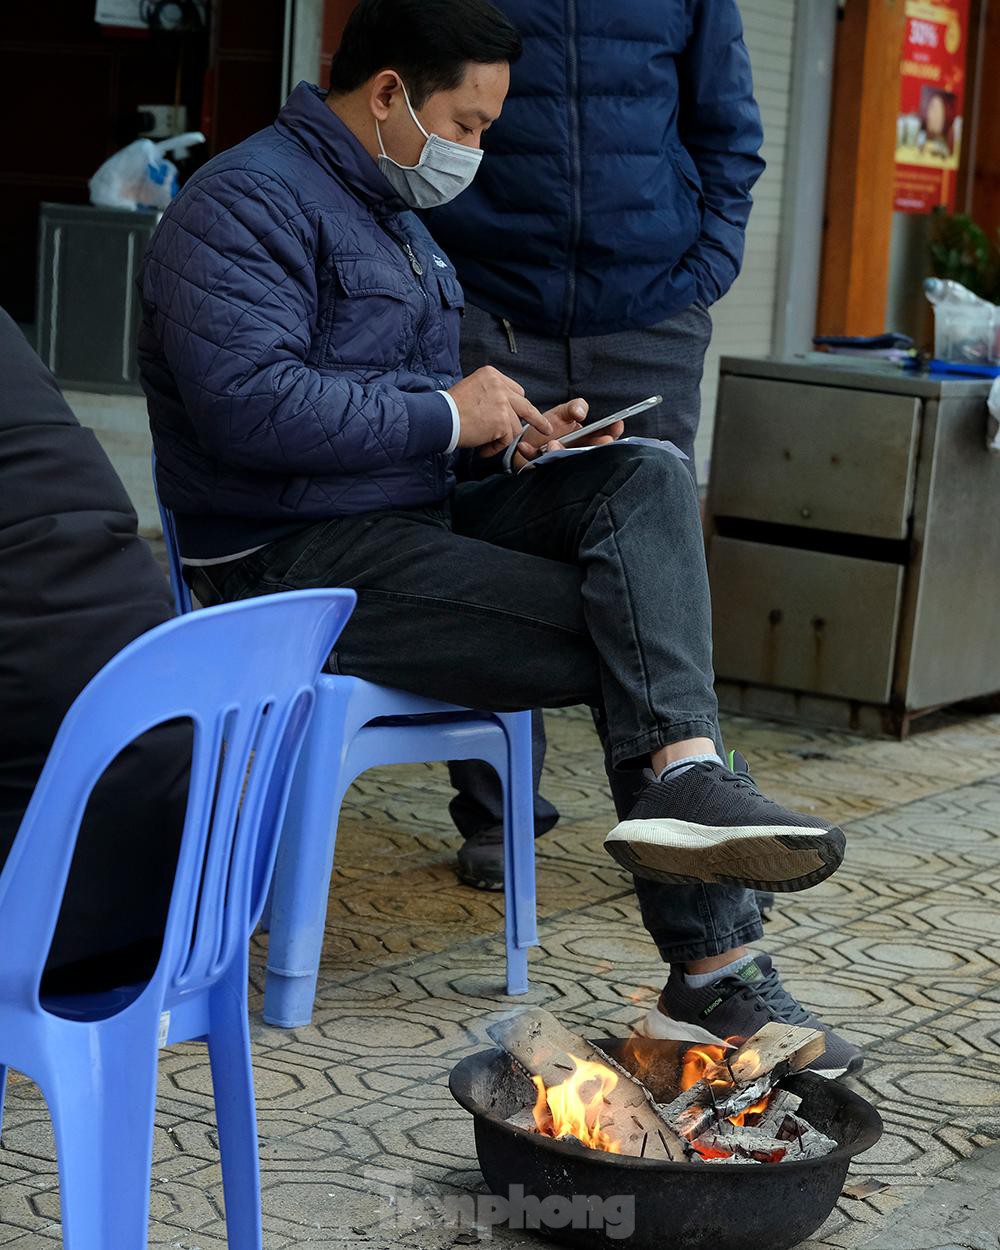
(964, 252)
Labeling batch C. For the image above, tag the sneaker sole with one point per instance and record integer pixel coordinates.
(778, 858)
(663, 1028)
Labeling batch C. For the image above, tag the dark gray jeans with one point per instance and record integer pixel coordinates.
(609, 371)
(583, 581)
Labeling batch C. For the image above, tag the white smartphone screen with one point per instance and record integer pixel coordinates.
(569, 439)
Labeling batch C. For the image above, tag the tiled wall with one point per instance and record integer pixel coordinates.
(744, 319)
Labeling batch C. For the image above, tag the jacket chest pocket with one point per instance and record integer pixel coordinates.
(453, 310)
(371, 315)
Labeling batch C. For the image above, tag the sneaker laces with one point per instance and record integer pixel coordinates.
(741, 781)
(770, 994)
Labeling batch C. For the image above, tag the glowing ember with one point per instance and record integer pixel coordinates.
(709, 1152)
(563, 1110)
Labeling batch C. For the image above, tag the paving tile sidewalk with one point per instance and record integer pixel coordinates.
(360, 1139)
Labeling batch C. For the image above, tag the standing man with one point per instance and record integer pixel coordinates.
(608, 218)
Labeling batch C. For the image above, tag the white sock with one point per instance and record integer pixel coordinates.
(698, 980)
(681, 766)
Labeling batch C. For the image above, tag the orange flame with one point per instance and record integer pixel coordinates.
(700, 1060)
(757, 1109)
(562, 1110)
(703, 1063)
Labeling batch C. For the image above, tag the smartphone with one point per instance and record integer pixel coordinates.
(586, 431)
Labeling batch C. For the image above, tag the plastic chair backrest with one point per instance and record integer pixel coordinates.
(244, 675)
(182, 592)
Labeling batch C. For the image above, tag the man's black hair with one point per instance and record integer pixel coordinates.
(429, 42)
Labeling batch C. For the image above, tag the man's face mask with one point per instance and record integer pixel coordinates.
(444, 170)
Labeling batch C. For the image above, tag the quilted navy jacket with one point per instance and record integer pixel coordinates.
(297, 324)
(616, 188)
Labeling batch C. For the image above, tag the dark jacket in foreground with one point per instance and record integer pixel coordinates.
(76, 585)
(298, 322)
(615, 190)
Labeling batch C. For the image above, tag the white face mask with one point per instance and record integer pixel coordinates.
(444, 170)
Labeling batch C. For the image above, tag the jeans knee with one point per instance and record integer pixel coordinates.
(658, 468)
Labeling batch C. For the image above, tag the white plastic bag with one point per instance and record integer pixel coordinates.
(993, 420)
(966, 328)
(140, 176)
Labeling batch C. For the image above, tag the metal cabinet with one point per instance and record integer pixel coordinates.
(88, 307)
(853, 530)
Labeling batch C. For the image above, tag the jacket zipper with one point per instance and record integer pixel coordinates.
(418, 272)
(511, 339)
(576, 174)
(440, 470)
(415, 264)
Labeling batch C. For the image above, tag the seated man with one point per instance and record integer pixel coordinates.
(299, 350)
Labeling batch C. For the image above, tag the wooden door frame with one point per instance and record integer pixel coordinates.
(857, 226)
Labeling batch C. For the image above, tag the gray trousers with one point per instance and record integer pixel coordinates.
(610, 371)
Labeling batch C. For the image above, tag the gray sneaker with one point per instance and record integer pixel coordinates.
(712, 825)
(737, 1006)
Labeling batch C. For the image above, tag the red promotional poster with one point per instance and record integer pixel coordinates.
(932, 101)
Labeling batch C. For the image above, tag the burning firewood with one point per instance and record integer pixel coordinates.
(730, 1110)
(739, 1083)
(775, 1051)
(770, 1136)
(794, 1139)
(618, 1115)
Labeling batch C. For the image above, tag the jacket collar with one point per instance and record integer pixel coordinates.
(310, 123)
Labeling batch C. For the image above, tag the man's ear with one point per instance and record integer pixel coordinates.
(384, 86)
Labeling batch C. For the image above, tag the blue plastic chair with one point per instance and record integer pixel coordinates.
(249, 699)
(357, 726)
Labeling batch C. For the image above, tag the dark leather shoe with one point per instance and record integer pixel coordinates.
(480, 860)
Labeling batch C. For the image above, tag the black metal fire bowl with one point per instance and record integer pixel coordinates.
(676, 1206)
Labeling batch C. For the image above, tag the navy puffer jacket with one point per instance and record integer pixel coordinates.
(616, 186)
(297, 324)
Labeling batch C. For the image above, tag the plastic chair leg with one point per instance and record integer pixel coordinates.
(265, 915)
(102, 1096)
(517, 971)
(520, 923)
(301, 886)
(232, 1081)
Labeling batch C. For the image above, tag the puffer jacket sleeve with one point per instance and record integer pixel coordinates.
(720, 127)
(231, 291)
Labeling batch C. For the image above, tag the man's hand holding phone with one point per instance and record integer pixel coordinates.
(565, 419)
(493, 410)
(607, 430)
(494, 414)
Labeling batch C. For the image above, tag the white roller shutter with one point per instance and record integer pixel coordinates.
(744, 319)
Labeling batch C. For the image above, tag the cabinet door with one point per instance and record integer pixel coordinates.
(89, 312)
(822, 457)
(804, 620)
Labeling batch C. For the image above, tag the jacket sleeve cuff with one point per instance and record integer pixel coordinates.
(456, 432)
(432, 425)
